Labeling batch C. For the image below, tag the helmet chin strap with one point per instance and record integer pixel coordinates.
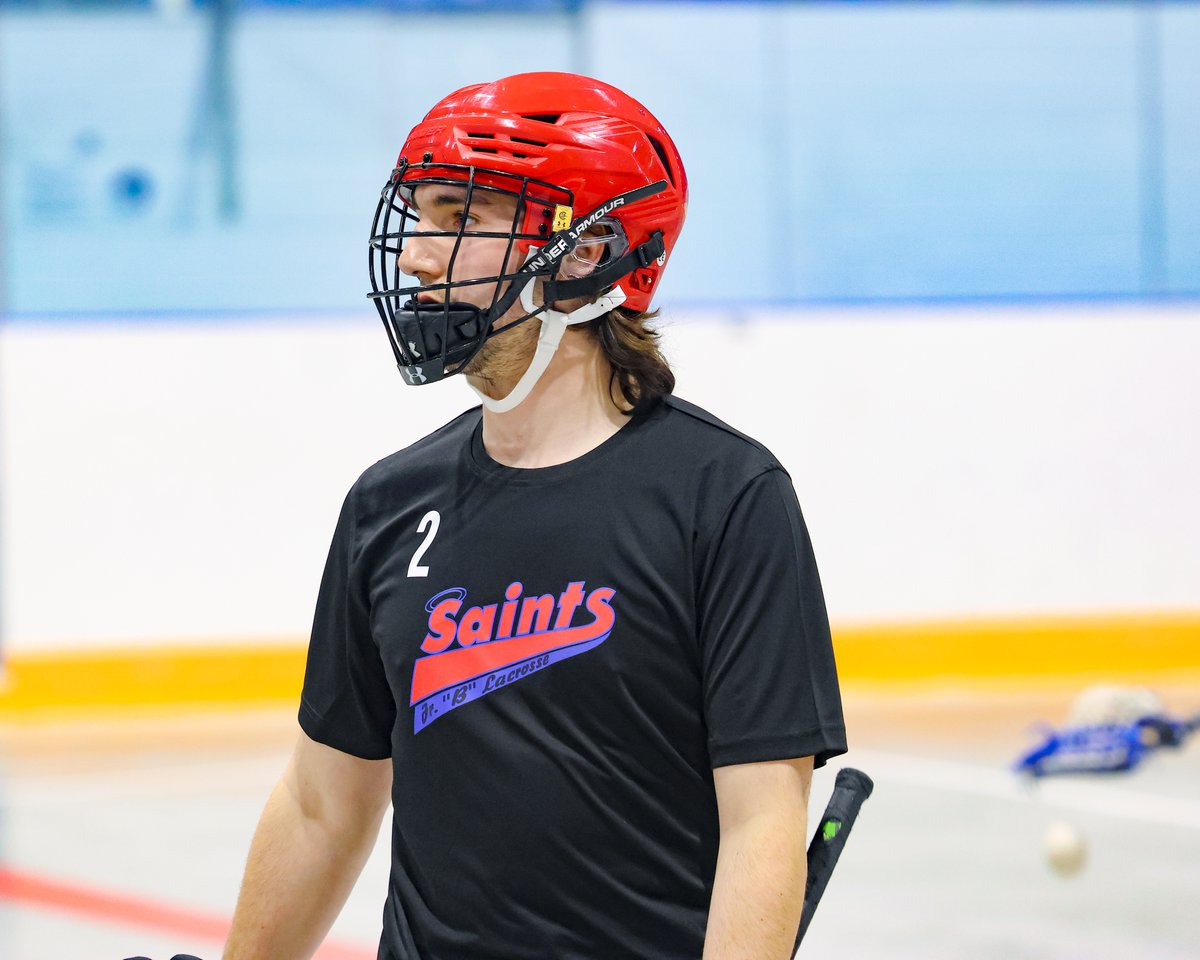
(554, 325)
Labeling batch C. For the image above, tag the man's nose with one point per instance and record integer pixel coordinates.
(419, 258)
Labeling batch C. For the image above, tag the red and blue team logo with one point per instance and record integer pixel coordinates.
(474, 652)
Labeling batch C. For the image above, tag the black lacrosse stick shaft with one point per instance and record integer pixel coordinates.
(850, 789)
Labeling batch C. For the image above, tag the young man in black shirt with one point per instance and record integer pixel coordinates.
(576, 636)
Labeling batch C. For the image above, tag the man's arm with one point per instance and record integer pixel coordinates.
(758, 891)
(319, 826)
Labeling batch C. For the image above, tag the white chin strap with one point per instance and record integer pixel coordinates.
(554, 324)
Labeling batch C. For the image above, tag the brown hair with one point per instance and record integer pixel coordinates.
(639, 369)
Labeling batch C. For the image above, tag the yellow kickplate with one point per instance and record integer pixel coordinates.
(1117, 645)
(971, 651)
(163, 675)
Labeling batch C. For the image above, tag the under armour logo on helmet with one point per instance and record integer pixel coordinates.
(414, 375)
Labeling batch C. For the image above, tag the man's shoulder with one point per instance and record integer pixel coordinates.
(435, 451)
(711, 438)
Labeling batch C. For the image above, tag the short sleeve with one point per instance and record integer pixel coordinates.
(770, 682)
(346, 703)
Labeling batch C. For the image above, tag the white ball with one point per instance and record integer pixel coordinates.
(1066, 848)
(1110, 703)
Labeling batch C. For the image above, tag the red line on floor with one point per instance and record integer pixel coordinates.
(20, 886)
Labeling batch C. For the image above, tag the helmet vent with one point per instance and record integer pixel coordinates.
(542, 117)
(502, 144)
(662, 155)
(483, 136)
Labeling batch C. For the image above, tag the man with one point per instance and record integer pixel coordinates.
(578, 633)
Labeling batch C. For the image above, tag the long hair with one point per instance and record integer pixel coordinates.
(639, 369)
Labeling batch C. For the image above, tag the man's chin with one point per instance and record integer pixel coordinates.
(476, 367)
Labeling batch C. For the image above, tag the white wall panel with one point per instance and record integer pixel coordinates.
(180, 481)
(960, 462)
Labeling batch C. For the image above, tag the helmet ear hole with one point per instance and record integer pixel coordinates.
(603, 242)
(575, 266)
(599, 245)
(642, 280)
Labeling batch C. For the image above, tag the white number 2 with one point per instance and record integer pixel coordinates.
(431, 521)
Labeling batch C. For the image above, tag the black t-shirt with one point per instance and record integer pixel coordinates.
(555, 659)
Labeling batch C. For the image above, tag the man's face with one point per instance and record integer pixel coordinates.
(442, 208)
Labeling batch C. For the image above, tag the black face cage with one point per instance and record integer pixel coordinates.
(436, 338)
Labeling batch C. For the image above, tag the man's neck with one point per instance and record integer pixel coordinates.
(568, 412)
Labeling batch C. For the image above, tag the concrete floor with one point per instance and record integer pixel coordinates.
(126, 836)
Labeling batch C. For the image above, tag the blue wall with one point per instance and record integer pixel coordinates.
(836, 151)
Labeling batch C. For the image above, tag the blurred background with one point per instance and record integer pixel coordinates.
(942, 258)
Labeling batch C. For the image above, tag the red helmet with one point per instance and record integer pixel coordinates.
(579, 154)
